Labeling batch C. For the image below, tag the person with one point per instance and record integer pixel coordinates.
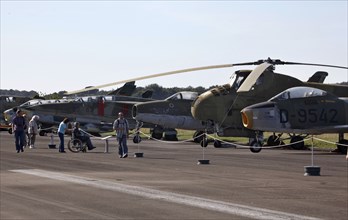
(33, 131)
(61, 131)
(83, 137)
(18, 124)
(121, 126)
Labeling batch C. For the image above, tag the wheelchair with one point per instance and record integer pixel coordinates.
(76, 145)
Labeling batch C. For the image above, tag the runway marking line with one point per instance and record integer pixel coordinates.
(208, 204)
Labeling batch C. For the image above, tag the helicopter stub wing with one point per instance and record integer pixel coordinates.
(253, 76)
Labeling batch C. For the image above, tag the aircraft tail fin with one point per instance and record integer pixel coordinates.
(147, 94)
(318, 77)
(126, 90)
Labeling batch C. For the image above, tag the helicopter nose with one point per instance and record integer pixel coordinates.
(203, 107)
(247, 118)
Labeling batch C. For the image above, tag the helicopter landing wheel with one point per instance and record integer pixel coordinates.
(204, 142)
(299, 145)
(273, 140)
(136, 139)
(217, 144)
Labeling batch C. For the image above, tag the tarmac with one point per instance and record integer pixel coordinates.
(167, 183)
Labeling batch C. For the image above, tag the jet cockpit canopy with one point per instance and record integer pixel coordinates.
(299, 92)
(183, 96)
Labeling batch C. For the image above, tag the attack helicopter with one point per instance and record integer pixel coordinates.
(94, 113)
(299, 110)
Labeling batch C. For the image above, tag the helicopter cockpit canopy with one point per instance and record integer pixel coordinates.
(238, 78)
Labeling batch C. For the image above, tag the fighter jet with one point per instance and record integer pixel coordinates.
(170, 113)
(300, 110)
(94, 113)
(7, 102)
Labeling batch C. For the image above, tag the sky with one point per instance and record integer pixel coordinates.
(52, 46)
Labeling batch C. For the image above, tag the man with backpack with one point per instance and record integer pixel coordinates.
(121, 126)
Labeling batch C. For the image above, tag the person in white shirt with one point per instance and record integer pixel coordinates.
(33, 131)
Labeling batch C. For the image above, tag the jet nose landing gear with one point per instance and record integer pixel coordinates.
(256, 143)
(256, 146)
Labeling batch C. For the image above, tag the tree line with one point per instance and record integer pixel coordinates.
(159, 92)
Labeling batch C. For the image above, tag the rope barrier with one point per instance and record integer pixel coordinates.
(176, 142)
(216, 139)
(239, 145)
(329, 142)
(263, 147)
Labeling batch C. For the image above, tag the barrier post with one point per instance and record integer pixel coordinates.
(51, 145)
(106, 149)
(106, 146)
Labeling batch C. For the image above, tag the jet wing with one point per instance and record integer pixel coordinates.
(125, 102)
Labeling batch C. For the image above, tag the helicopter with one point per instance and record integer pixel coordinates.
(299, 110)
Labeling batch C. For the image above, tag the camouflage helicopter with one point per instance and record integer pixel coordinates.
(299, 110)
(94, 113)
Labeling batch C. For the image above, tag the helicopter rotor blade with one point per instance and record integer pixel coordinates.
(253, 76)
(156, 75)
(165, 74)
(314, 64)
(247, 86)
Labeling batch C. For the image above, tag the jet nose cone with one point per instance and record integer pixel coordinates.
(8, 114)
